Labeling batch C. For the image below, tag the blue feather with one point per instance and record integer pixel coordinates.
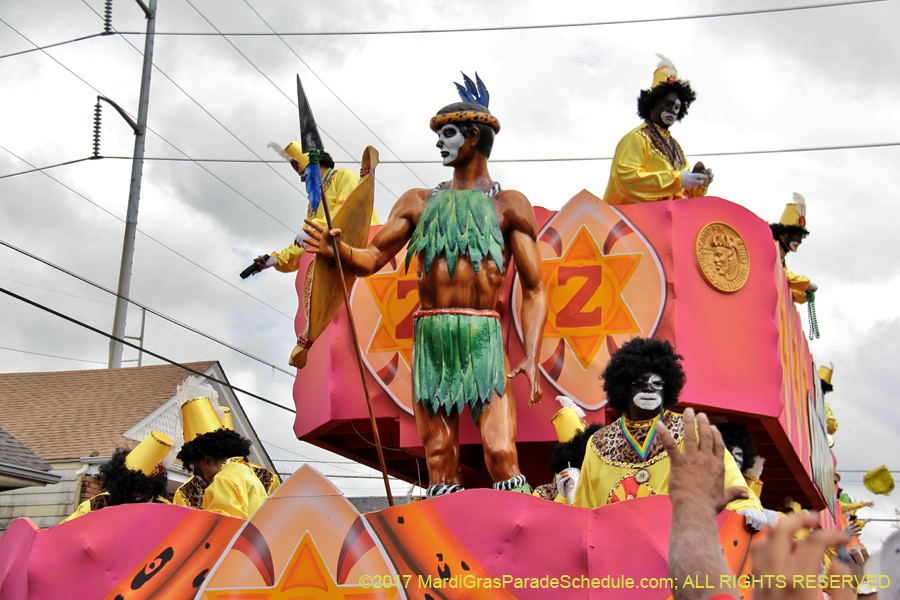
(314, 186)
(473, 92)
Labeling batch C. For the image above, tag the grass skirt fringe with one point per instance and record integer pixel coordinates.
(458, 361)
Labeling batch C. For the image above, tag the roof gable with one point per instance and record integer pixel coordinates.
(65, 415)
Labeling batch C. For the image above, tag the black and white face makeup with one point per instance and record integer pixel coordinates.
(450, 140)
(648, 391)
(665, 113)
(738, 453)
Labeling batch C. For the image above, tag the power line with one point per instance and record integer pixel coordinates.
(344, 104)
(84, 81)
(144, 350)
(139, 305)
(493, 160)
(154, 239)
(59, 292)
(524, 27)
(210, 115)
(87, 37)
(96, 362)
(63, 164)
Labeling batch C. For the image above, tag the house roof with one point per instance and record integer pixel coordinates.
(65, 415)
(14, 452)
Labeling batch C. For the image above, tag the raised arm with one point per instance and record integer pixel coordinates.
(396, 231)
(523, 243)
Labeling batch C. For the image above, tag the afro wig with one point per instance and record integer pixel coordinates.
(648, 98)
(826, 387)
(126, 486)
(739, 436)
(636, 358)
(221, 444)
(571, 453)
(779, 229)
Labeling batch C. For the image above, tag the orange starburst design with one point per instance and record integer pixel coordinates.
(397, 297)
(306, 576)
(584, 290)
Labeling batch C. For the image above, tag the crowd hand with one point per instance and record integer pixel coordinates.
(690, 181)
(853, 529)
(756, 519)
(698, 472)
(566, 482)
(319, 241)
(780, 557)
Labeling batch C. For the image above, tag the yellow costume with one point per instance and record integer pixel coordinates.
(798, 284)
(794, 216)
(613, 470)
(190, 494)
(235, 490)
(647, 167)
(146, 458)
(567, 422)
(337, 185)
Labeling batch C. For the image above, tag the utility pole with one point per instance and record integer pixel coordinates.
(134, 194)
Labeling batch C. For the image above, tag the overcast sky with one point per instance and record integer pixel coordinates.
(789, 80)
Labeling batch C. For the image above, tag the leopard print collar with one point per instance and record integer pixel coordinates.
(664, 145)
(611, 447)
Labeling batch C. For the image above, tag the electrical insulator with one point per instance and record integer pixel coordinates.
(97, 130)
(107, 17)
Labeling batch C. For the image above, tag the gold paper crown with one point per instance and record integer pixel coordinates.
(665, 71)
(227, 423)
(567, 422)
(149, 453)
(199, 417)
(879, 481)
(295, 151)
(825, 372)
(795, 212)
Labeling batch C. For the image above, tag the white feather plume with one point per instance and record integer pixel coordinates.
(280, 151)
(798, 199)
(665, 62)
(565, 401)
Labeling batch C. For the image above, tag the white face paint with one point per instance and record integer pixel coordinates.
(738, 454)
(450, 140)
(649, 400)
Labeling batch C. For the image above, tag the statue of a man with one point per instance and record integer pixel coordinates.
(463, 233)
(649, 164)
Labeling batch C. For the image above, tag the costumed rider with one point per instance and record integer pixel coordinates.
(649, 164)
(626, 459)
(789, 233)
(573, 433)
(224, 480)
(336, 186)
(831, 424)
(463, 234)
(739, 441)
(132, 477)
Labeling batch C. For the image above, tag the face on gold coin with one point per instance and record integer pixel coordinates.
(642, 476)
(722, 257)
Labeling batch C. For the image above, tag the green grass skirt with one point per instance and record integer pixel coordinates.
(457, 362)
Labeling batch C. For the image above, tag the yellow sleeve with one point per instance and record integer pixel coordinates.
(641, 174)
(588, 481)
(567, 423)
(83, 509)
(798, 285)
(733, 477)
(276, 481)
(851, 507)
(288, 259)
(697, 192)
(234, 491)
(830, 420)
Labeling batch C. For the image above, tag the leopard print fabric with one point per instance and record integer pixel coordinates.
(546, 491)
(100, 501)
(665, 145)
(265, 477)
(611, 446)
(193, 492)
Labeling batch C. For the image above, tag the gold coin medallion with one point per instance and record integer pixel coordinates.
(642, 476)
(722, 257)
